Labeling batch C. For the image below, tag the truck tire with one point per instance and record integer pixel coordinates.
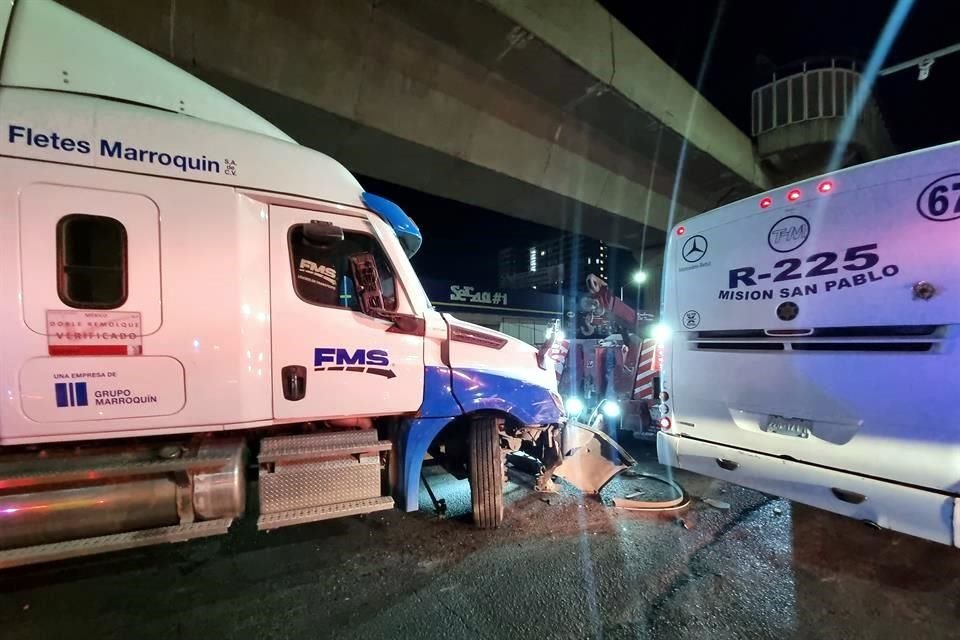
(486, 472)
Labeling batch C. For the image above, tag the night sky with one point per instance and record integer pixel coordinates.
(460, 241)
(753, 38)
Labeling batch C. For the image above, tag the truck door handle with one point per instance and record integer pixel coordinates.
(849, 496)
(728, 465)
(294, 382)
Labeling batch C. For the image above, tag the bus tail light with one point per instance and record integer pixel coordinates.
(666, 423)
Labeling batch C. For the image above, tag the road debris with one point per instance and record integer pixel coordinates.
(717, 504)
(678, 503)
(584, 464)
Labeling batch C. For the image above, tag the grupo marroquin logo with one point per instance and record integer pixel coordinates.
(71, 394)
(788, 234)
(694, 249)
(940, 200)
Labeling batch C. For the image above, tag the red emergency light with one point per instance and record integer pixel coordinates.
(766, 203)
(825, 187)
(681, 231)
(793, 195)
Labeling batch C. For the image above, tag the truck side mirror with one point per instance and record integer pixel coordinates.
(322, 233)
(366, 280)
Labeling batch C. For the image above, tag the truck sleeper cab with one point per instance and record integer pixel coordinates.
(815, 348)
(183, 293)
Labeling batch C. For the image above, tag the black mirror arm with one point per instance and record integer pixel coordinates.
(366, 279)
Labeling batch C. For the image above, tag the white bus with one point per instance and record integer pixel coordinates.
(815, 343)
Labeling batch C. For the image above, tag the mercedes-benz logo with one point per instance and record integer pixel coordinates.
(694, 249)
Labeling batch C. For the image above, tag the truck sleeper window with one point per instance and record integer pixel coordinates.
(321, 272)
(91, 261)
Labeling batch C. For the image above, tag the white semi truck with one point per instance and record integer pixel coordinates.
(816, 352)
(190, 301)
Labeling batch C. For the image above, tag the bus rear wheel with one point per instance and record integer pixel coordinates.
(486, 472)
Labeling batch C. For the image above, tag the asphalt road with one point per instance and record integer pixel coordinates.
(568, 568)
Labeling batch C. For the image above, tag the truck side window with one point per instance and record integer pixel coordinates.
(321, 272)
(91, 261)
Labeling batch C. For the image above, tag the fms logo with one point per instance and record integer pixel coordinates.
(71, 394)
(329, 274)
(372, 361)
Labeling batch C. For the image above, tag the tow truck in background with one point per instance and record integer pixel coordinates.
(609, 372)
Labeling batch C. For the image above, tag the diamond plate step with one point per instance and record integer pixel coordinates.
(328, 512)
(320, 445)
(316, 484)
(114, 542)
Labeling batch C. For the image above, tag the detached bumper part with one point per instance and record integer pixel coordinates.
(584, 465)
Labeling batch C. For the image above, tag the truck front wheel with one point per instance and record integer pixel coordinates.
(486, 472)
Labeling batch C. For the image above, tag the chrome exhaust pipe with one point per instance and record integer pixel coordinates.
(53, 516)
(60, 495)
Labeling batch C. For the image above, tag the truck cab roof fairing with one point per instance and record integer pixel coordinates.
(405, 228)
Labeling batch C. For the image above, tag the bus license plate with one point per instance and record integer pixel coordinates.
(788, 426)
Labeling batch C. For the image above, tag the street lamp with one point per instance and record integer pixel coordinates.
(639, 277)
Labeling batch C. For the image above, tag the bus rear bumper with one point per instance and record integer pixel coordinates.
(907, 509)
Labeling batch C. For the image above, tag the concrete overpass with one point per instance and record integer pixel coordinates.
(548, 111)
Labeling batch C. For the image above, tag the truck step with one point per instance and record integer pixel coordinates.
(299, 486)
(307, 473)
(327, 512)
(114, 542)
(320, 445)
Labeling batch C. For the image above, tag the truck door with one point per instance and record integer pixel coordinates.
(330, 359)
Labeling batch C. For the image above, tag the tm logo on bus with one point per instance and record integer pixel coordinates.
(940, 200)
(788, 234)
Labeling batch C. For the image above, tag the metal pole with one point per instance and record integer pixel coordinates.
(914, 62)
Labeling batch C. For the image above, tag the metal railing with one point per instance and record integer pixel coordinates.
(824, 92)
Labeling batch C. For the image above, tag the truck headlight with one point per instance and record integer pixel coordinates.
(574, 406)
(610, 409)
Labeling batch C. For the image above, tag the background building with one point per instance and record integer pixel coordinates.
(554, 264)
(524, 314)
